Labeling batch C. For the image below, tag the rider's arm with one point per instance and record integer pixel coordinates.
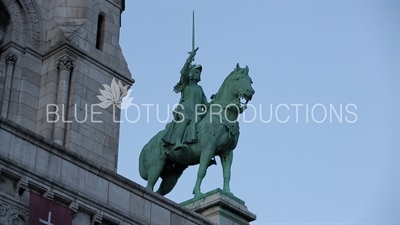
(185, 69)
(185, 72)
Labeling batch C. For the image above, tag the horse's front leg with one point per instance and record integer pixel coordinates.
(226, 162)
(205, 158)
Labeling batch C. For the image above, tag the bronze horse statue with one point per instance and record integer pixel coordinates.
(218, 134)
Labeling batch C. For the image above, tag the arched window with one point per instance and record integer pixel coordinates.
(100, 32)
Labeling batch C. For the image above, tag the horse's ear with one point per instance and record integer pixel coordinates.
(247, 69)
(237, 66)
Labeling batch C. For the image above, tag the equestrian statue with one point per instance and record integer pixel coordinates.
(199, 131)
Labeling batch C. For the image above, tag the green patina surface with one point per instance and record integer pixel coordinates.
(200, 130)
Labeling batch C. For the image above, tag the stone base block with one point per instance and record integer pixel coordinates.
(221, 207)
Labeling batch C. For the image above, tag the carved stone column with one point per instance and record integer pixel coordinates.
(65, 66)
(11, 60)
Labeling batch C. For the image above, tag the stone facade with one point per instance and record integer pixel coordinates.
(52, 63)
(55, 55)
(97, 195)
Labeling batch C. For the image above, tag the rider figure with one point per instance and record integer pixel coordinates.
(192, 102)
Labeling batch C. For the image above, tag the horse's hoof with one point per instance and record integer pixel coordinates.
(198, 195)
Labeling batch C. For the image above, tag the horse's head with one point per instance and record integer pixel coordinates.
(242, 83)
(236, 86)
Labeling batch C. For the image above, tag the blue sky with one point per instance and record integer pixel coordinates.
(326, 167)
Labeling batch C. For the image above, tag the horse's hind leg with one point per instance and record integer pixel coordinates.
(168, 182)
(154, 172)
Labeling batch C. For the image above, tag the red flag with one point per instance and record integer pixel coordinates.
(43, 211)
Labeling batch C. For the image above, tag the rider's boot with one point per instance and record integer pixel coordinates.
(179, 134)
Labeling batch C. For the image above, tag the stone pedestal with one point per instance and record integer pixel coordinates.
(220, 207)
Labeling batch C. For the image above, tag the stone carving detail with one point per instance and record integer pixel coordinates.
(3, 211)
(11, 216)
(16, 220)
(96, 219)
(65, 63)
(74, 206)
(1, 74)
(11, 58)
(22, 185)
(49, 195)
(19, 22)
(35, 26)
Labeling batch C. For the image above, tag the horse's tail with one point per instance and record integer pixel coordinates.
(142, 158)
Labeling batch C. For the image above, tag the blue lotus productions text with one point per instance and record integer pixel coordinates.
(301, 113)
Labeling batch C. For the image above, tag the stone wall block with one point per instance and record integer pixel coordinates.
(96, 187)
(46, 100)
(113, 28)
(140, 208)
(82, 12)
(27, 123)
(49, 165)
(98, 79)
(50, 76)
(113, 144)
(92, 146)
(177, 219)
(43, 130)
(22, 152)
(81, 68)
(94, 131)
(160, 215)
(72, 175)
(27, 111)
(28, 87)
(109, 154)
(32, 76)
(118, 197)
(77, 87)
(111, 130)
(29, 100)
(5, 143)
(51, 88)
(73, 137)
(61, 11)
(114, 40)
(45, 68)
(91, 96)
(32, 64)
(92, 156)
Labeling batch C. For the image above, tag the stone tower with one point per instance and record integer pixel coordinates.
(56, 55)
(58, 141)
